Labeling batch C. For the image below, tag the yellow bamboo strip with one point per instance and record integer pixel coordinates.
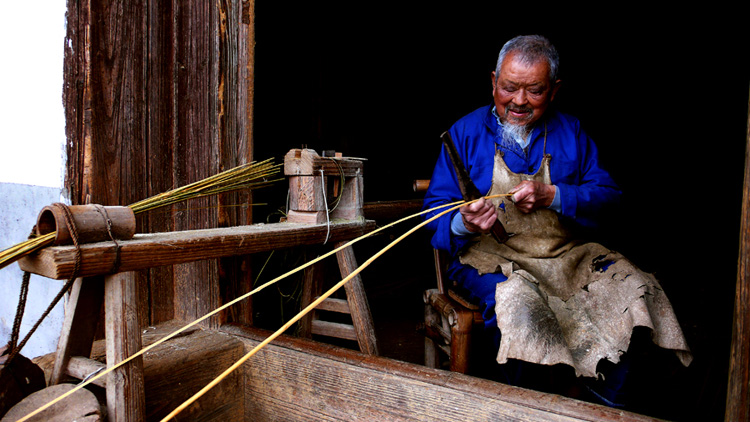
(304, 312)
(247, 176)
(453, 205)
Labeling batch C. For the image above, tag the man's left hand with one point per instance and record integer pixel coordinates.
(531, 195)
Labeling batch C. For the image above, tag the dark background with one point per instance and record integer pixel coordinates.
(664, 95)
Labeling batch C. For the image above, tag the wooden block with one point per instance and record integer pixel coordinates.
(306, 217)
(182, 366)
(306, 193)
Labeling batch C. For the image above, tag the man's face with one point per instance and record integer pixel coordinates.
(522, 92)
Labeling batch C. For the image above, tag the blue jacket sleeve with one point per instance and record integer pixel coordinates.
(585, 196)
(444, 189)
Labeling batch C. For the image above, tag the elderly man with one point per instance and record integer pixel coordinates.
(554, 298)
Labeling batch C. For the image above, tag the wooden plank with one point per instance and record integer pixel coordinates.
(79, 327)
(236, 44)
(358, 305)
(334, 305)
(125, 393)
(196, 285)
(738, 388)
(151, 250)
(334, 329)
(161, 130)
(298, 379)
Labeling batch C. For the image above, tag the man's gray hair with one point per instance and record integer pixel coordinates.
(531, 49)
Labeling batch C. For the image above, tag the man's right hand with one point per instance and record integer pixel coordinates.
(479, 217)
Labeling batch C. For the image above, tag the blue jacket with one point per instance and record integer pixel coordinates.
(583, 186)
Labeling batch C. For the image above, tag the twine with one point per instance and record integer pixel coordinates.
(15, 350)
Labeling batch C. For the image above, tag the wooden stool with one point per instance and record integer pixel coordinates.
(322, 189)
(362, 328)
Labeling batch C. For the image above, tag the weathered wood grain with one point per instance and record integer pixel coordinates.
(157, 95)
(150, 250)
(298, 379)
(176, 370)
(79, 327)
(81, 406)
(359, 307)
(126, 400)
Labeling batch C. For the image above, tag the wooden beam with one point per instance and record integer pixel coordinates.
(152, 250)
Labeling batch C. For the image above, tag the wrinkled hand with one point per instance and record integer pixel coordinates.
(479, 217)
(531, 195)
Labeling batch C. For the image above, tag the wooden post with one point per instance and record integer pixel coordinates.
(312, 288)
(358, 305)
(79, 328)
(126, 400)
(738, 388)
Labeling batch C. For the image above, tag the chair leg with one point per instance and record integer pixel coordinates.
(431, 351)
(461, 341)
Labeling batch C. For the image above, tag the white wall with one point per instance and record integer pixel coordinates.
(32, 139)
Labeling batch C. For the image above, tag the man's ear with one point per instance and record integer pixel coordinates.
(493, 80)
(555, 87)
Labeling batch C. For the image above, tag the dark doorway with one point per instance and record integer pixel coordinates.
(665, 100)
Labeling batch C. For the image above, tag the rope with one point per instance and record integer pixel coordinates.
(103, 211)
(70, 224)
(325, 203)
(21, 304)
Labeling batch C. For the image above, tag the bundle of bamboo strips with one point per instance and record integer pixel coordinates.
(248, 176)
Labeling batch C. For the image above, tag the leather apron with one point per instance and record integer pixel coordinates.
(566, 301)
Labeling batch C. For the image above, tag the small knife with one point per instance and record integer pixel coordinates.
(469, 191)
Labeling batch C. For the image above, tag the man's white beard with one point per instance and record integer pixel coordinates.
(513, 135)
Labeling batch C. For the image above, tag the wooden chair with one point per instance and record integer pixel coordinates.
(450, 320)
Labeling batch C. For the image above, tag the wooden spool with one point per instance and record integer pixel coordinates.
(80, 406)
(92, 222)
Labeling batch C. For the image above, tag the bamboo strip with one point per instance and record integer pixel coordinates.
(305, 311)
(453, 206)
(248, 176)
